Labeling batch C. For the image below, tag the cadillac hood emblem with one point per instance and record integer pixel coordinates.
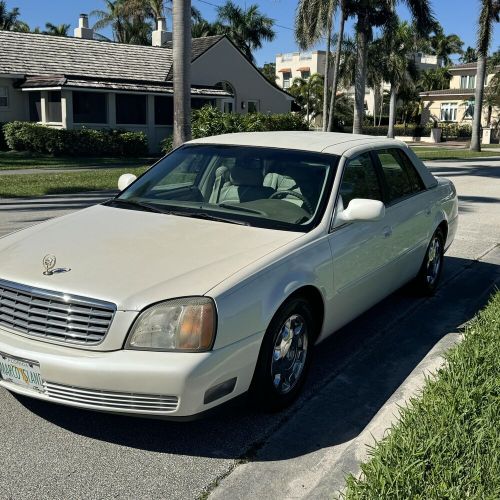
(49, 263)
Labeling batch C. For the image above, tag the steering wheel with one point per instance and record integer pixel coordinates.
(300, 196)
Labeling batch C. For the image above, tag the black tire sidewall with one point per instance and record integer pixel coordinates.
(423, 285)
(262, 390)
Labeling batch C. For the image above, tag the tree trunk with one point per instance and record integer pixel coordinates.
(475, 143)
(336, 68)
(181, 41)
(392, 112)
(362, 33)
(329, 25)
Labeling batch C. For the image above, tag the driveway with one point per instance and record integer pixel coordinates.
(49, 451)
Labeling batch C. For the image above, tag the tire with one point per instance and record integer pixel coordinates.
(283, 364)
(430, 272)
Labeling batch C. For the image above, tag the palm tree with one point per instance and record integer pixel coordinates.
(313, 22)
(373, 13)
(490, 13)
(246, 27)
(59, 30)
(182, 71)
(309, 95)
(444, 46)
(434, 79)
(469, 55)
(398, 43)
(9, 20)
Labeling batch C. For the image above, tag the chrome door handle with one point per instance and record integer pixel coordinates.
(387, 232)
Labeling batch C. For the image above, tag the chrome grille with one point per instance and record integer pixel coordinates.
(109, 400)
(54, 315)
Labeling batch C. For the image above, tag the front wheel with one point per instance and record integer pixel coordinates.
(285, 356)
(429, 275)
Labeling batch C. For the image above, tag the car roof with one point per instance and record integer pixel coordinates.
(335, 142)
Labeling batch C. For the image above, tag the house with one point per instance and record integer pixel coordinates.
(456, 104)
(81, 82)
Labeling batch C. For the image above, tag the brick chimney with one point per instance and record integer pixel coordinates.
(160, 35)
(83, 30)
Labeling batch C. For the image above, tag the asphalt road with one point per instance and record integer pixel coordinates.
(49, 451)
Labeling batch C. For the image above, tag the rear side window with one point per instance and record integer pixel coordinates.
(401, 178)
(360, 180)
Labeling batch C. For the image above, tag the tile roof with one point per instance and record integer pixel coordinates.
(471, 65)
(450, 92)
(37, 54)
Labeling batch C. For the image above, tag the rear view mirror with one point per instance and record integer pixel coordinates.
(360, 209)
(125, 180)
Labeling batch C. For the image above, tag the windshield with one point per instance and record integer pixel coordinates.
(263, 187)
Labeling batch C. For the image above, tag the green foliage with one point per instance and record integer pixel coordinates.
(454, 130)
(269, 71)
(35, 138)
(446, 442)
(209, 121)
(399, 130)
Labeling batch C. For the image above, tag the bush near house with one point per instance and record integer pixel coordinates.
(455, 130)
(209, 121)
(35, 138)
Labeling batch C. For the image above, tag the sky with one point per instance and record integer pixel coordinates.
(456, 16)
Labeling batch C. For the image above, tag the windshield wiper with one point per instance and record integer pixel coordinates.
(135, 204)
(204, 215)
(241, 209)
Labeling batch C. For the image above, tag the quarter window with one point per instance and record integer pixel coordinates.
(360, 180)
(401, 178)
(4, 97)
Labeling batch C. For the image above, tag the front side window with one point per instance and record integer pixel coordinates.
(4, 97)
(360, 180)
(89, 107)
(401, 180)
(262, 187)
(131, 109)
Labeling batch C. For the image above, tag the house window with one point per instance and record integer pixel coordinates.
(35, 106)
(287, 77)
(131, 109)
(164, 110)
(53, 108)
(252, 106)
(449, 112)
(89, 107)
(305, 74)
(228, 106)
(4, 97)
(468, 82)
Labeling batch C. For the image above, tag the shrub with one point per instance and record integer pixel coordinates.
(399, 130)
(35, 138)
(209, 121)
(455, 130)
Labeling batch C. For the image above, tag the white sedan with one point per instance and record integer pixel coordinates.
(217, 271)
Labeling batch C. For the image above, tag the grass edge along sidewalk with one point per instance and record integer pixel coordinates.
(446, 442)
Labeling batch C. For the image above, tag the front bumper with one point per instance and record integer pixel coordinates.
(162, 384)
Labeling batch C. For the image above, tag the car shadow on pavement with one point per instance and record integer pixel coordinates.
(354, 374)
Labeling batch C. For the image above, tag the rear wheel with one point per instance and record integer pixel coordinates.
(429, 275)
(285, 356)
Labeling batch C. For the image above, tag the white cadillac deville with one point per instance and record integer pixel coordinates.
(217, 271)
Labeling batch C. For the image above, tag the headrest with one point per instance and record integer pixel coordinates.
(247, 172)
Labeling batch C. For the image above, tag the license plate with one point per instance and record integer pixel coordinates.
(22, 372)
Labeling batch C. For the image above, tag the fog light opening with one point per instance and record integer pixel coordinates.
(220, 390)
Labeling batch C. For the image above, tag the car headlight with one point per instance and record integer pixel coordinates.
(186, 324)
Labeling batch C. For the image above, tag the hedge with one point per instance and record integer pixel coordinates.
(449, 130)
(35, 138)
(209, 121)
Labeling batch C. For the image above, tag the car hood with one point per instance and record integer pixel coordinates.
(134, 258)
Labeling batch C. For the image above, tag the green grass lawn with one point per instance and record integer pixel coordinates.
(447, 443)
(440, 153)
(12, 160)
(12, 186)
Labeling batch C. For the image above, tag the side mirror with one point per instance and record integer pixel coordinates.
(125, 180)
(360, 209)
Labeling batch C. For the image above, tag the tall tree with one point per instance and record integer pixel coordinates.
(434, 79)
(489, 14)
(469, 55)
(9, 19)
(57, 30)
(248, 28)
(182, 70)
(269, 71)
(309, 95)
(314, 22)
(370, 14)
(445, 46)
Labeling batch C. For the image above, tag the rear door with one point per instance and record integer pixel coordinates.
(407, 212)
